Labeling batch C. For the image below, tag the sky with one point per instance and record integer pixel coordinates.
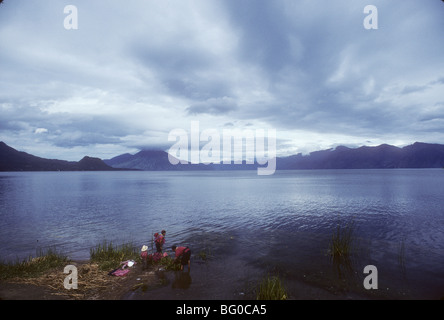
(131, 72)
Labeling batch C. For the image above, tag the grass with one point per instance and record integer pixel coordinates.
(106, 255)
(401, 255)
(341, 242)
(33, 267)
(109, 256)
(204, 254)
(342, 247)
(271, 288)
(169, 264)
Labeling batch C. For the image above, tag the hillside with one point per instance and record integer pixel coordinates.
(417, 155)
(13, 160)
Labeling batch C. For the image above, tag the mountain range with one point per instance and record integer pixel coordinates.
(417, 155)
(13, 160)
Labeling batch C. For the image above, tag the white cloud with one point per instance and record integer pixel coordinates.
(40, 130)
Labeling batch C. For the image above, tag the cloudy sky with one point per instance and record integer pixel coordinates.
(135, 70)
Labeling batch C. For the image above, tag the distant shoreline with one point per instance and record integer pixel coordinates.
(416, 156)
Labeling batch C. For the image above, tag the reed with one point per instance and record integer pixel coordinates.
(32, 267)
(204, 254)
(169, 264)
(271, 288)
(342, 240)
(109, 256)
(401, 255)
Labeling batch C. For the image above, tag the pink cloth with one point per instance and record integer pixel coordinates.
(120, 272)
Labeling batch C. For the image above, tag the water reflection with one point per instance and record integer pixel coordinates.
(179, 279)
(162, 277)
(342, 266)
(182, 280)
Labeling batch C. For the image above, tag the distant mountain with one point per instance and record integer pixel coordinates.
(156, 160)
(13, 160)
(418, 155)
(151, 160)
(148, 160)
(92, 164)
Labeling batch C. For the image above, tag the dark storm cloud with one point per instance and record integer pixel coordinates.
(264, 33)
(181, 69)
(214, 106)
(334, 79)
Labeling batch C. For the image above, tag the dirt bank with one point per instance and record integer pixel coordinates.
(93, 284)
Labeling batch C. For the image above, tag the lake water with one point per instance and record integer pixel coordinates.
(249, 225)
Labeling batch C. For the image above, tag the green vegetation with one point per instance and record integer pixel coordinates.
(341, 242)
(401, 255)
(204, 254)
(33, 267)
(105, 255)
(109, 257)
(342, 247)
(271, 288)
(169, 264)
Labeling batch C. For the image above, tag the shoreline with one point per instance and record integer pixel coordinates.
(93, 284)
(96, 284)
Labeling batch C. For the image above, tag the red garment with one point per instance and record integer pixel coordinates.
(160, 239)
(180, 251)
(156, 256)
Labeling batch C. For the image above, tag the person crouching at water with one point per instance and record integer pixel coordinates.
(159, 239)
(183, 254)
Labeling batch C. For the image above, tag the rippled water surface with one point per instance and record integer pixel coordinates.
(250, 225)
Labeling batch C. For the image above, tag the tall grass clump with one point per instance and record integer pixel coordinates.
(33, 267)
(204, 254)
(109, 256)
(169, 264)
(401, 255)
(342, 240)
(271, 288)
